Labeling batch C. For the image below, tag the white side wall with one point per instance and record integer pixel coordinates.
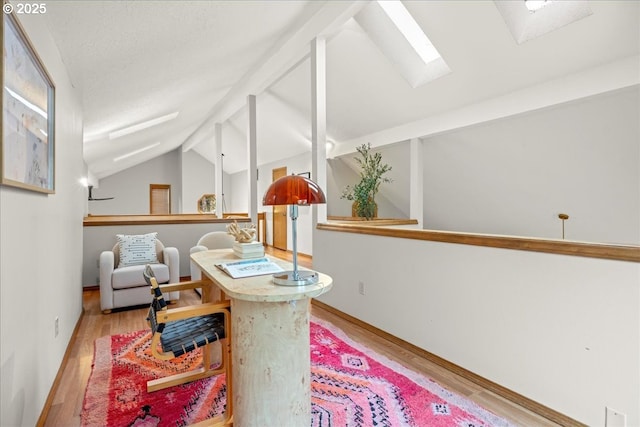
(198, 178)
(41, 257)
(515, 175)
(236, 192)
(130, 188)
(561, 330)
(393, 197)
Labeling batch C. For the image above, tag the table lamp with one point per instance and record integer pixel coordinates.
(294, 190)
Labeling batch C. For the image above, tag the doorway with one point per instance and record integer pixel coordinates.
(159, 199)
(279, 219)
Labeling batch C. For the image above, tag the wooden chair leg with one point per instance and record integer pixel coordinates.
(204, 372)
(214, 422)
(177, 379)
(225, 419)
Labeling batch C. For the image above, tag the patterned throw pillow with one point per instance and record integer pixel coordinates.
(137, 249)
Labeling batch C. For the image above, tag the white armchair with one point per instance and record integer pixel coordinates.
(212, 240)
(124, 286)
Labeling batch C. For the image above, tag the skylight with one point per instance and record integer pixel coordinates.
(402, 41)
(534, 5)
(410, 29)
(530, 19)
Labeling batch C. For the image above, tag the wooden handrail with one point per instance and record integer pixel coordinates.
(102, 220)
(371, 222)
(561, 247)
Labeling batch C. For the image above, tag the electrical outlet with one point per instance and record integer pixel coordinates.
(361, 288)
(615, 418)
(57, 326)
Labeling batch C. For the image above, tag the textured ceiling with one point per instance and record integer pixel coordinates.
(136, 60)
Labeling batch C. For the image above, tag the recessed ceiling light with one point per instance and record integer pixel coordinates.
(138, 151)
(144, 125)
(534, 5)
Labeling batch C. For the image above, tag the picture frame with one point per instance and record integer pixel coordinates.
(207, 204)
(27, 151)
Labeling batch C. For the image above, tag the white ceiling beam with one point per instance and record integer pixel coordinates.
(278, 61)
(252, 158)
(319, 122)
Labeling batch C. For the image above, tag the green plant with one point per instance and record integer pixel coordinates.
(371, 176)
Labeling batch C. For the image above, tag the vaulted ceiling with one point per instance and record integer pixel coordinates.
(137, 60)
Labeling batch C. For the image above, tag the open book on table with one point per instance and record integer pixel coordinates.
(249, 267)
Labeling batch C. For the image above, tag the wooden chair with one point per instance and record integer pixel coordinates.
(180, 330)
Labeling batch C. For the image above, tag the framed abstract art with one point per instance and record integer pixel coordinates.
(27, 153)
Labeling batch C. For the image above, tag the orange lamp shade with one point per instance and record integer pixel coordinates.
(293, 190)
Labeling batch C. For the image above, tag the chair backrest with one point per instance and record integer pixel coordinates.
(157, 303)
(159, 253)
(217, 240)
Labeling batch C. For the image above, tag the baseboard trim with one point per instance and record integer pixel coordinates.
(56, 381)
(504, 392)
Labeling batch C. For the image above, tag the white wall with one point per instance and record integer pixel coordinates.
(237, 192)
(198, 178)
(515, 175)
(130, 188)
(561, 330)
(41, 257)
(393, 197)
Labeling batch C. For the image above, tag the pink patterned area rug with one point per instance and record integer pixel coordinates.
(350, 386)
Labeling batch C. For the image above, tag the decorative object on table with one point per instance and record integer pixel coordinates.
(243, 234)
(294, 190)
(248, 250)
(350, 385)
(27, 149)
(207, 204)
(372, 173)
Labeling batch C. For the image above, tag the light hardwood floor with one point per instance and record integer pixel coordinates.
(66, 404)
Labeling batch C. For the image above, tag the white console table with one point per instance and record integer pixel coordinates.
(271, 362)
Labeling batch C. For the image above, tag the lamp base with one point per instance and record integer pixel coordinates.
(288, 278)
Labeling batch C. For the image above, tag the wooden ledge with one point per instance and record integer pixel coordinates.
(561, 247)
(102, 220)
(371, 222)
